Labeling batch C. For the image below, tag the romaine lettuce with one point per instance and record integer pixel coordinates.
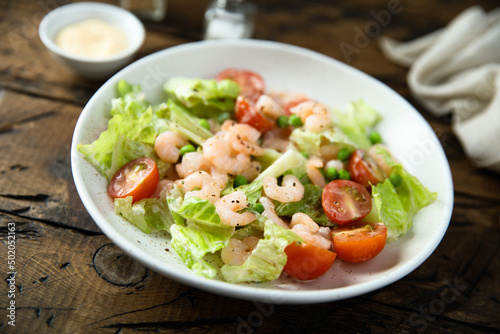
(267, 260)
(309, 142)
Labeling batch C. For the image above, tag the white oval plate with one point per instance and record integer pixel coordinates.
(293, 69)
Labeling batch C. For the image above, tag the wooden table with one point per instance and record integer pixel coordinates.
(71, 279)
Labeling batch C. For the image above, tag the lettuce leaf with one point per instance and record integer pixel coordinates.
(309, 142)
(149, 215)
(356, 121)
(397, 205)
(267, 260)
(204, 97)
(310, 205)
(202, 233)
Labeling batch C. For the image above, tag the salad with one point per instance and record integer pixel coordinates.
(273, 182)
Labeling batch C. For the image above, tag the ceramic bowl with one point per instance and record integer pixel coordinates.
(92, 68)
(295, 69)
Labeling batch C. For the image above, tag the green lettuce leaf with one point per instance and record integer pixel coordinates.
(203, 233)
(309, 142)
(356, 121)
(310, 204)
(397, 205)
(149, 215)
(267, 260)
(204, 97)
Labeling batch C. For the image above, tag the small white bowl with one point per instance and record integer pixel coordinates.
(92, 68)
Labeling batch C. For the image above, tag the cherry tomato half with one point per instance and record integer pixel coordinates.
(246, 113)
(345, 201)
(306, 262)
(138, 178)
(359, 242)
(363, 169)
(251, 84)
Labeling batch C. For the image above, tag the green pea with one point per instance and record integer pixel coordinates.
(282, 121)
(375, 137)
(186, 149)
(395, 179)
(239, 181)
(295, 120)
(344, 175)
(258, 207)
(305, 155)
(344, 154)
(222, 117)
(331, 173)
(204, 123)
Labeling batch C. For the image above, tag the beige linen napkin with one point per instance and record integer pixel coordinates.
(457, 69)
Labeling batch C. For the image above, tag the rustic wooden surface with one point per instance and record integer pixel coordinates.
(71, 279)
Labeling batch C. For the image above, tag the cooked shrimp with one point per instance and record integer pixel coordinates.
(329, 151)
(314, 115)
(242, 138)
(193, 162)
(270, 213)
(379, 159)
(252, 171)
(278, 144)
(309, 231)
(227, 207)
(269, 107)
(291, 189)
(209, 188)
(167, 146)
(218, 152)
(162, 185)
(314, 173)
(237, 251)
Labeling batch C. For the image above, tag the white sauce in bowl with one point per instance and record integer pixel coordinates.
(91, 38)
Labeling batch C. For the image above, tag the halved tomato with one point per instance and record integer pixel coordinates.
(252, 85)
(363, 169)
(306, 262)
(246, 113)
(359, 242)
(138, 178)
(345, 201)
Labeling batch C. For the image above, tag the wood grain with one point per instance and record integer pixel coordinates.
(71, 279)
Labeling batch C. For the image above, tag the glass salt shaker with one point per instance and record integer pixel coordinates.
(229, 19)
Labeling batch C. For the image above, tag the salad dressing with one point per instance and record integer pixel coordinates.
(91, 38)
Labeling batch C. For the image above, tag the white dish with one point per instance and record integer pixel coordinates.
(294, 69)
(87, 67)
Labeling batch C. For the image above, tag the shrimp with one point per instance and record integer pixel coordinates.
(269, 107)
(218, 152)
(193, 162)
(278, 144)
(313, 172)
(227, 207)
(162, 185)
(242, 138)
(209, 187)
(270, 213)
(314, 115)
(291, 189)
(309, 231)
(252, 171)
(379, 159)
(329, 151)
(237, 251)
(167, 146)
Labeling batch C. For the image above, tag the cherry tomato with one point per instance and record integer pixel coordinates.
(138, 178)
(359, 242)
(363, 169)
(346, 201)
(251, 84)
(306, 262)
(246, 113)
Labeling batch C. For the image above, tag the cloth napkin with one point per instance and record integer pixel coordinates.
(457, 70)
